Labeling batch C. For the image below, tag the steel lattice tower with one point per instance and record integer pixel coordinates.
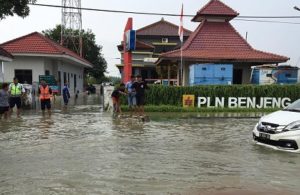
(71, 22)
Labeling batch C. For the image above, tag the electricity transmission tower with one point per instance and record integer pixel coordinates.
(71, 24)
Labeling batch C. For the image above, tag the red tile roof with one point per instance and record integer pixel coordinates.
(5, 54)
(140, 45)
(214, 41)
(215, 8)
(36, 43)
(161, 28)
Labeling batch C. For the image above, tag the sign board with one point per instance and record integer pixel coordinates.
(130, 40)
(188, 101)
(50, 80)
(243, 102)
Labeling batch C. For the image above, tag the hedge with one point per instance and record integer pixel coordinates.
(165, 95)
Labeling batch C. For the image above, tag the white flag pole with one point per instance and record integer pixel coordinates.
(181, 65)
(181, 41)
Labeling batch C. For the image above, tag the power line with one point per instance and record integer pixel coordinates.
(244, 18)
(268, 21)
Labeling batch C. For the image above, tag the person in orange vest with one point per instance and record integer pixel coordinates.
(45, 97)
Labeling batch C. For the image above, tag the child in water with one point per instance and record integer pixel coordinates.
(116, 98)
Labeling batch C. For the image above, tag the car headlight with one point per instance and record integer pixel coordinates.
(258, 126)
(294, 126)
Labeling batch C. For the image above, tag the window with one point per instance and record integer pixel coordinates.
(59, 77)
(223, 69)
(165, 40)
(75, 83)
(288, 75)
(24, 76)
(47, 72)
(204, 68)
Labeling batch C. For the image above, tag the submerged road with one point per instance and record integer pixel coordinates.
(83, 150)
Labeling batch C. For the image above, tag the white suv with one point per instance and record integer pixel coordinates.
(280, 130)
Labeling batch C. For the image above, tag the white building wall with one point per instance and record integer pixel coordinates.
(36, 64)
(71, 70)
(49, 66)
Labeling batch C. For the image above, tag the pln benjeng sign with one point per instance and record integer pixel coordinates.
(243, 102)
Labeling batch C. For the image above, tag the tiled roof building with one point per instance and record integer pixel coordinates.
(37, 44)
(35, 56)
(161, 28)
(216, 41)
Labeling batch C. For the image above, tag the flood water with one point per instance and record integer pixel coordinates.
(83, 150)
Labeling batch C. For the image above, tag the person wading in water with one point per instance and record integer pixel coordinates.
(45, 97)
(140, 86)
(16, 91)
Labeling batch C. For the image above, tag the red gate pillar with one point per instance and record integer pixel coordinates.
(127, 71)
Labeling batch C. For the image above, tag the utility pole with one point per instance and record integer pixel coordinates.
(71, 23)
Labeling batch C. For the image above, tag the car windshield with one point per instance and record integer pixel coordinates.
(295, 106)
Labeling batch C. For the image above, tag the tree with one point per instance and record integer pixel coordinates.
(11, 7)
(91, 51)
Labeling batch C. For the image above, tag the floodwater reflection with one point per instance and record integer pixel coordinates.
(82, 150)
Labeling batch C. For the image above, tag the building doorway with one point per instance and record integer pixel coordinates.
(24, 76)
(237, 76)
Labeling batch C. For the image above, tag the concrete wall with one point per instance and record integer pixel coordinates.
(36, 64)
(107, 101)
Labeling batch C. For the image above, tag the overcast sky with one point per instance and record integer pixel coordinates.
(281, 39)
